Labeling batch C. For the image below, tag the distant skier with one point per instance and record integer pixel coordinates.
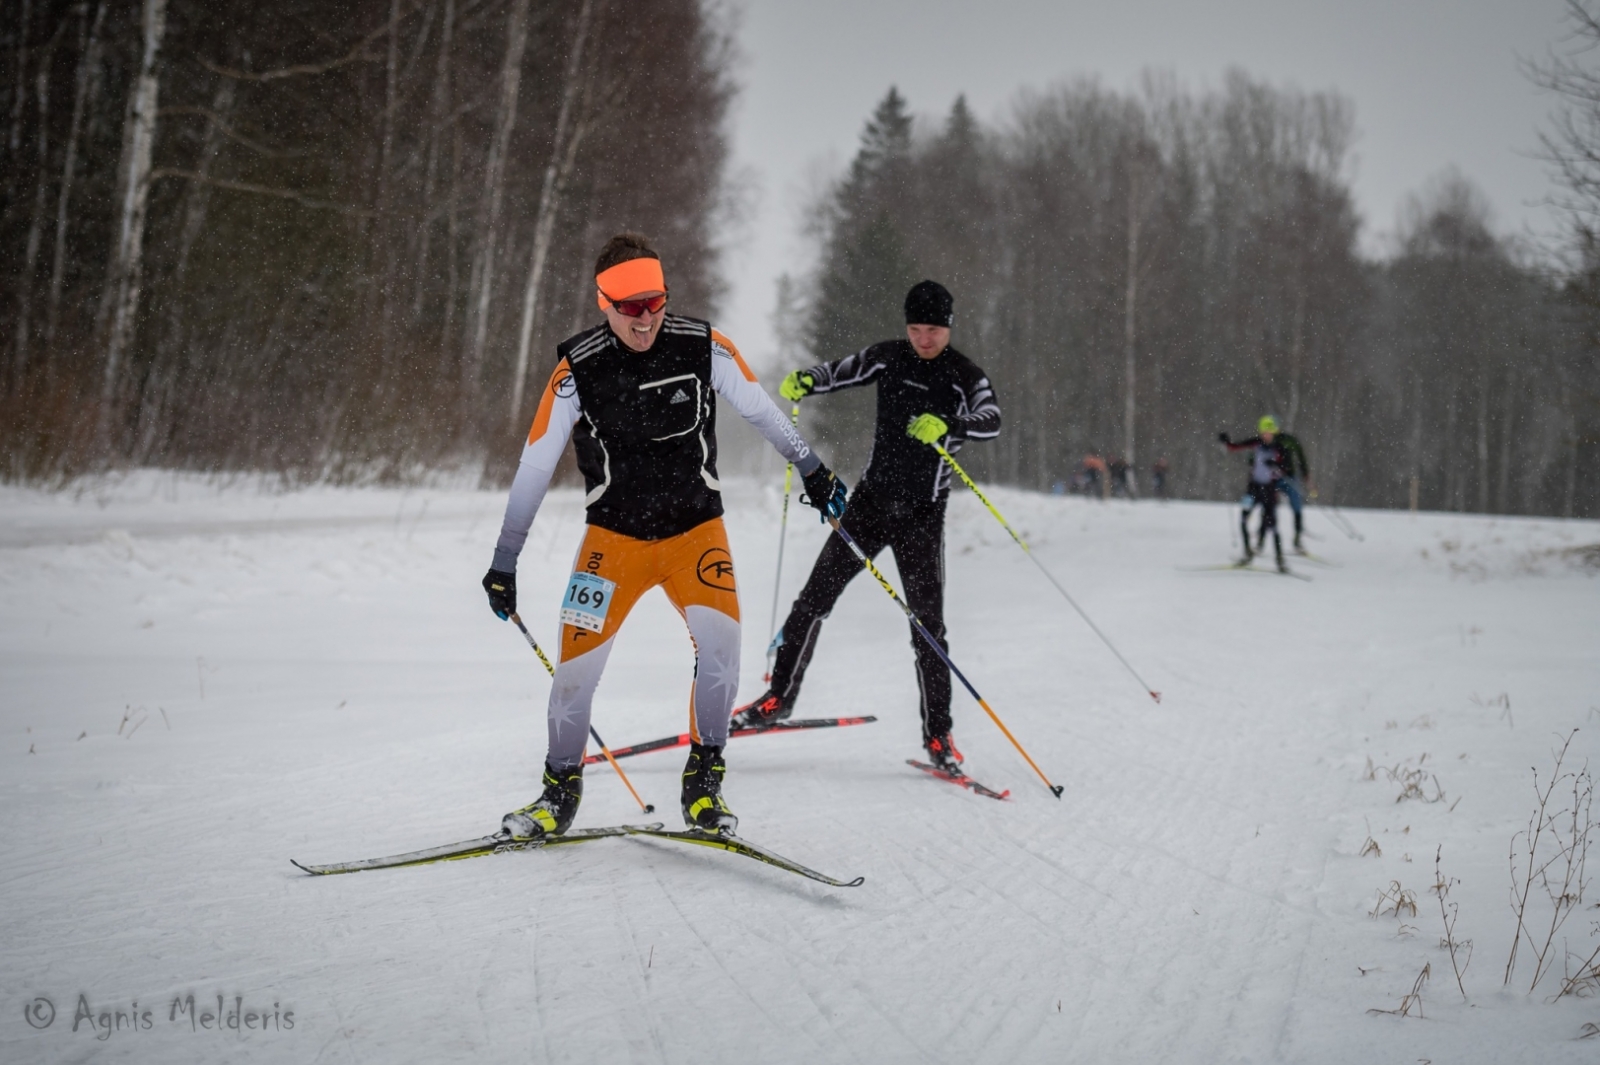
(1267, 467)
(928, 392)
(1091, 475)
(1123, 479)
(1295, 483)
(1158, 478)
(637, 394)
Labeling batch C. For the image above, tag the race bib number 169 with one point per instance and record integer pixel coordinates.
(587, 600)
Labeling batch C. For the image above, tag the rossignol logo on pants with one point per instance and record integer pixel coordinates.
(716, 569)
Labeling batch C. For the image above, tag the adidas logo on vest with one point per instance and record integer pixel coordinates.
(680, 396)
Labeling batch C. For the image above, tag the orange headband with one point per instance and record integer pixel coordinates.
(630, 278)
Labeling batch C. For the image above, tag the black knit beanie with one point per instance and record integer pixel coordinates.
(930, 303)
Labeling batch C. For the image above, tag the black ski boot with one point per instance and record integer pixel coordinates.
(1277, 546)
(943, 754)
(552, 813)
(703, 807)
(767, 710)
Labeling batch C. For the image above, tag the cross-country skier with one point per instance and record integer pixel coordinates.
(928, 392)
(637, 394)
(1267, 468)
(1295, 482)
(1158, 478)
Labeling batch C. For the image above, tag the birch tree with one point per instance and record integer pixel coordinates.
(568, 138)
(89, 47)
(494, 195)
(121, 301)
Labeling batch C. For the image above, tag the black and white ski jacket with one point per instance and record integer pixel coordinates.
(949, 385)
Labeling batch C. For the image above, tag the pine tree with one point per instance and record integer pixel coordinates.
(865, 273)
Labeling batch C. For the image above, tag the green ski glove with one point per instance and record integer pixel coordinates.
(927, 429)
(797, 386)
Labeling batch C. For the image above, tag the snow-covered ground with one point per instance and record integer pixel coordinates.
(198, 683)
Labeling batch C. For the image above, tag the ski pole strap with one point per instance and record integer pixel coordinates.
(603, 748)
(1055, 789)
(1048, 575)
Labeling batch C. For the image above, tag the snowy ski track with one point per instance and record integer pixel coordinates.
(315, 675)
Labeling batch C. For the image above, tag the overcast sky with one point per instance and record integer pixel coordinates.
(1434, 83)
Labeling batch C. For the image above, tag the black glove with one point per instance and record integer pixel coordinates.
(502, 589)
(825, 492)
(1224, 438)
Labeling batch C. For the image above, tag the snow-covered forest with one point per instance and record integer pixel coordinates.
(1140, 270)
(341, 242)
(328, 239)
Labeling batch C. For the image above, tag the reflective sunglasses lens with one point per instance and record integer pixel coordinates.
(634, 308)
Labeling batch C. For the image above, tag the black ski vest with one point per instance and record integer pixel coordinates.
(646, 441)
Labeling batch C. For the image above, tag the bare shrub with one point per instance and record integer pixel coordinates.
(1553, 856)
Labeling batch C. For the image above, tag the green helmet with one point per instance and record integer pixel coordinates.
(1267, 424)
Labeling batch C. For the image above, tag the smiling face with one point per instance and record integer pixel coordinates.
(929, 341)
(636, 333)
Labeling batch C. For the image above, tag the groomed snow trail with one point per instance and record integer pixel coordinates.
(200, 683)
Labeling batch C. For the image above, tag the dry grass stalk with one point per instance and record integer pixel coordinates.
(1586, 981)
(1411, 780)
(1413, 999)
(1397, 899)
(1441, 888)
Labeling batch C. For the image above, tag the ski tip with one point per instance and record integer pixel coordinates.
(857, 882)
(300, 867)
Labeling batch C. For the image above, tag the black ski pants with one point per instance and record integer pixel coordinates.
(916, 535)
(1266, 497)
